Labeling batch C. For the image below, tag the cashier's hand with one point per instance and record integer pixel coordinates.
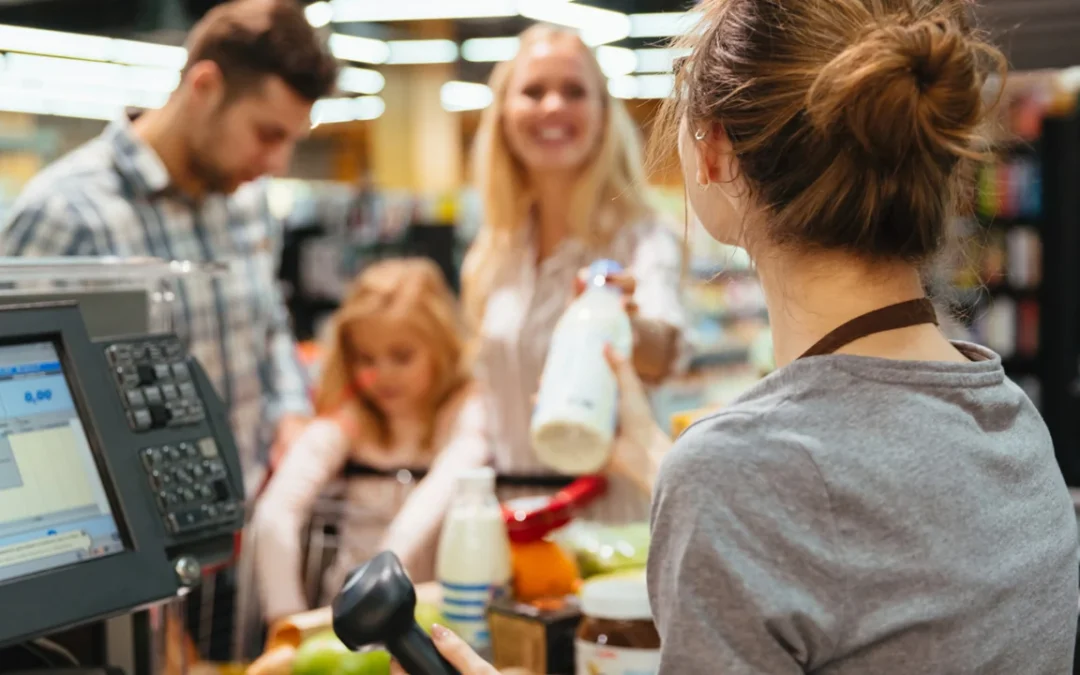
(457, 652)
(639, 443)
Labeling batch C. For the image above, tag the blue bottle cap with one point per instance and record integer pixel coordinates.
(601, 269)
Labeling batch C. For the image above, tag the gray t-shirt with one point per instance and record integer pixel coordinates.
(859, 515)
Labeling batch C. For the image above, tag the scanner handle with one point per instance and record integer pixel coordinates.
(418, 655)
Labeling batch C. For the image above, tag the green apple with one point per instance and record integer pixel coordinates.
(427, 615)
(319, 655)
(374, 662)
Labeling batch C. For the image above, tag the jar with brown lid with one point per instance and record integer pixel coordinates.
(617, 635)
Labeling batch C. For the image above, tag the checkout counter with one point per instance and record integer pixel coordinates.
(120, 483)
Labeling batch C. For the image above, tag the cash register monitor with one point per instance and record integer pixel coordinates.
(54, 510)
(119, 476)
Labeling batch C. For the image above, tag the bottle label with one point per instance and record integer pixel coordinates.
(593, 659)
(464, 607)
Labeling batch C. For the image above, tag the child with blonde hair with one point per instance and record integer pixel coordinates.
(394, 394)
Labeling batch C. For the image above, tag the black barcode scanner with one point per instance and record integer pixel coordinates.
(377, 605)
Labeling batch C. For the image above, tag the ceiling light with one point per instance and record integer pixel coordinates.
(36, 103)
(319, 14)
(657, 60)
(336, 110)
(459, 96)
(90, 47)
(413, 10)
(662, 24)
(596, 26)
(353, 48)
(489, 49)
(422, 51)
(91, 72)
(641, 86)
(615, 61)
(360, 80)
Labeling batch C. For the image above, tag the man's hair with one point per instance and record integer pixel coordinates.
(252, 39)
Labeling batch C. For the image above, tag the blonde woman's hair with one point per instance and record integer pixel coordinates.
(411, 290)
(609, 193)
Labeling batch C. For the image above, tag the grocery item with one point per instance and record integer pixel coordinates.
(373, 662)
(319, 655)
(533, 518)
(472, 563)
(573, 423)
(603, 549)
(542, 569)
(617, 635)
(537, 637)
(277, 661)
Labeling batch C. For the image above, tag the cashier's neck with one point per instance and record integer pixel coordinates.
(810, 295)
(163, 130)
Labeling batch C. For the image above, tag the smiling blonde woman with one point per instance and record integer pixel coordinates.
(560, 172)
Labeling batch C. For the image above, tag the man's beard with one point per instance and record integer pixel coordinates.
(214, 178)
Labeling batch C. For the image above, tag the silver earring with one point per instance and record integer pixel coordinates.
(699, 135)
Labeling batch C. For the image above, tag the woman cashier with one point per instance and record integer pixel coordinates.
(887, 501)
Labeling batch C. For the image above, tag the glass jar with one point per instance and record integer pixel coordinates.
(617, 635)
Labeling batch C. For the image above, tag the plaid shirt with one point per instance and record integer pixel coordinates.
(112, 196)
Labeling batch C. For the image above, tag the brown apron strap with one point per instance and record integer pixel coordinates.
(900, 315)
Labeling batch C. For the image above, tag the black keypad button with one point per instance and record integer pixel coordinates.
(160, 415)
(141, 419)
(153, 395)
(152, 458)
(170, 392)
(146, 373)
(180, 371)
(187, 391)
(135, 398)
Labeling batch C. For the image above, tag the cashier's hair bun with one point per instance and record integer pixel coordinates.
(852, 121)
(902, 91)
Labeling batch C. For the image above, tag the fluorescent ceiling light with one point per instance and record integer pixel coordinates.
(662, 24)
(489, 49)
(362, 49)
(90, 73)
(615, 61)
(37, 103)
(360, 80)
(414, 10)
(459, 96)
(657, 60)
(422, 51)
(596, 26)
(319, 14)
(90, 47)
(336, 110)
(641, 86)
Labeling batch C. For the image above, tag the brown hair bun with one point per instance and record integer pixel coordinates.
(901, 89)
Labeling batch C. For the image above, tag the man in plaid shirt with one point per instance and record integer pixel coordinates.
(181, 183)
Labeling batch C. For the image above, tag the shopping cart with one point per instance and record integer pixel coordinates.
(343, 530)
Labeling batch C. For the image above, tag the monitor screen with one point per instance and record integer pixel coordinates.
(53, 507)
